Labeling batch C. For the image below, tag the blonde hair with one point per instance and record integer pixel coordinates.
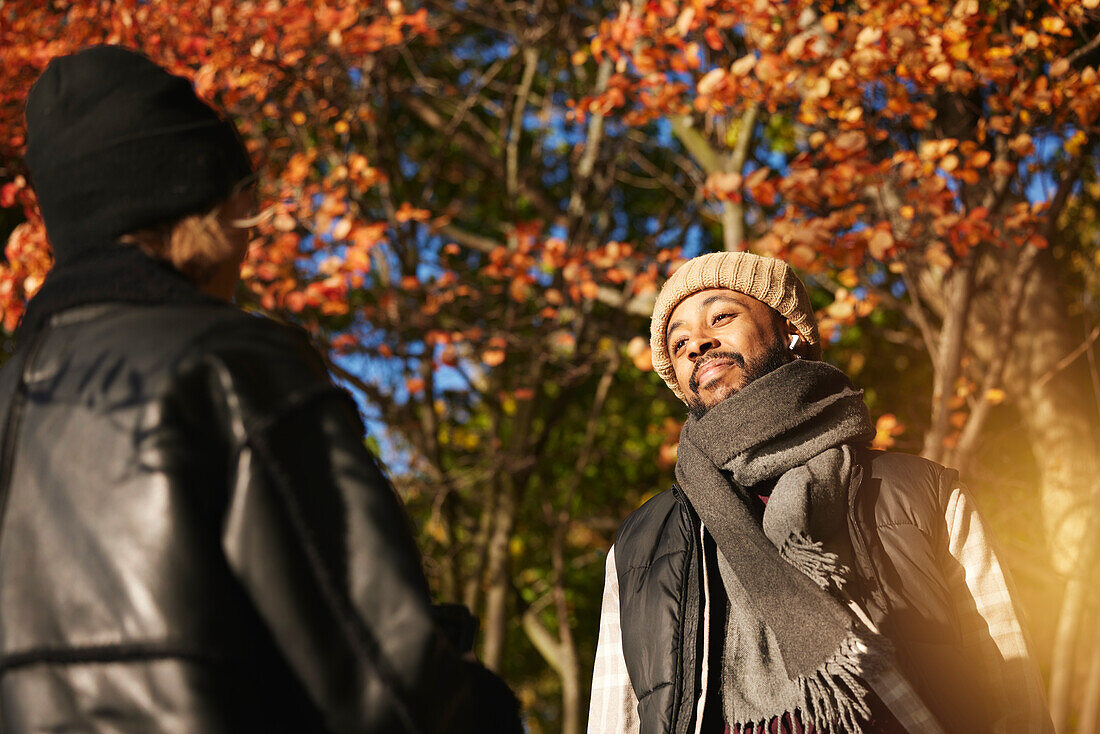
(195, 246)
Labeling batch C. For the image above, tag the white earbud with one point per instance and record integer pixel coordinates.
(795, 339)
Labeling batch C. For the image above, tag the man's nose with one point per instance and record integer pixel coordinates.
(702, 344)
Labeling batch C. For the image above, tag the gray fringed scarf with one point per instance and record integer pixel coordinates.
(790, 645)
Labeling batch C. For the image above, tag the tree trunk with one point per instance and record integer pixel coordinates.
(958, 291)
(572, 710)
(1067, 640)
(1089, 721)
(1060, 414)
(500, 579)
(560, 653)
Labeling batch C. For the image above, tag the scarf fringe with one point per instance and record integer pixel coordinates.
(833, 697)
(810, 557)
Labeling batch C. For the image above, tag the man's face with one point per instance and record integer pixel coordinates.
(721, 340)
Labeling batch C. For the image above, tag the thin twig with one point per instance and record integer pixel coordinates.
(1069, 359)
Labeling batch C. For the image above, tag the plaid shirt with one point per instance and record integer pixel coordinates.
(991, 631)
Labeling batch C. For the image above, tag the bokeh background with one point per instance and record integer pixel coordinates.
(473, 204)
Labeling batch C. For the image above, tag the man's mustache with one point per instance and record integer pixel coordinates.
(734, 357)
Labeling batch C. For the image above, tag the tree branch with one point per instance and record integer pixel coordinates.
(591, 145)
(994, 375)
(959, 288)
(479, 154)
(511, 163)
(712, 161)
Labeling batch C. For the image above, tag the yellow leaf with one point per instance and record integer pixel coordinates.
(1074, 144)
(725, 182)
(940, 71)
(841, 310)
(960, 51)
(284, 222)
(342, 228)
(796, 46)
(743, 65)
(711, 81)
(886, 427)
(819, 89)
(880, 243)
(869, 36)
(1053, 24)
(839, 69)
(995, 396)
(1022, 145)
(683, 23)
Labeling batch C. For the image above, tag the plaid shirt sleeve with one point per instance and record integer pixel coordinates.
(614, 708)
(990, 623)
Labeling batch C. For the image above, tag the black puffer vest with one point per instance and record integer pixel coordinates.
(903, 572)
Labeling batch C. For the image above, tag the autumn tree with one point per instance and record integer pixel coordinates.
(473, 261)
(472, 205)
(921, 156)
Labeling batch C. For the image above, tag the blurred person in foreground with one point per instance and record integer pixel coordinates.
(794, 580)
(193, 536)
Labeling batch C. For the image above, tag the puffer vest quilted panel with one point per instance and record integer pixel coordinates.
(659, 569)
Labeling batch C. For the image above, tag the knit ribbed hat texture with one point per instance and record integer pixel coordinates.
(115, 144)
(766, 279)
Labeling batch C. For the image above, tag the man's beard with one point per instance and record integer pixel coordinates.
(776, 356)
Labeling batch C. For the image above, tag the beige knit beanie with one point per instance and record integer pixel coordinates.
(764, 278)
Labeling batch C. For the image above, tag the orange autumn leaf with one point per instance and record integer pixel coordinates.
(408, 213)
(880, 243)
(492, 357)
(887, 428)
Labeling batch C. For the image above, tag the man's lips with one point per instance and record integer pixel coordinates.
(710, 370)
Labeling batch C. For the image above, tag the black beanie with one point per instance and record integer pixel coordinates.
(115, 144)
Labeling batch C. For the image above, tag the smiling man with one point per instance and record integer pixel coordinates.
(794, 580)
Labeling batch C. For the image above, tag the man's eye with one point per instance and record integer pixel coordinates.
(720, 317)
(678, 345)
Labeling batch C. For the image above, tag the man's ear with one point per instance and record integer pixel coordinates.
(793, 336)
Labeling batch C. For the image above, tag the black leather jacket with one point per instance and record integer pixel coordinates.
(193, 538)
